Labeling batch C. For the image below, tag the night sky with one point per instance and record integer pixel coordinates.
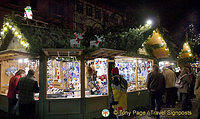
(174, 15)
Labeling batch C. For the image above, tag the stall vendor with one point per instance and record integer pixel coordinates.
(89, 75)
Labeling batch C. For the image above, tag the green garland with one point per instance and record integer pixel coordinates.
(53, 37)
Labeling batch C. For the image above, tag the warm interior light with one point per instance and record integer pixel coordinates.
(20, 60)
(26, 60)
(19, 36)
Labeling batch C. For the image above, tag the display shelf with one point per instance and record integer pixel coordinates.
(135, 71)
(63, 79)
(11, 66)
(128, 70)
(144, 68)
(100, 84)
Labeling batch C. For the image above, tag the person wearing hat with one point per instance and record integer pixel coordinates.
(119, 91)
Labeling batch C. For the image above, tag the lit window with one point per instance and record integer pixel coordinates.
(96, 78)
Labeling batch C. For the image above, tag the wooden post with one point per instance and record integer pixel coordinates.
(82, 73)
(136, 75)
(42, 84)
(110, 65)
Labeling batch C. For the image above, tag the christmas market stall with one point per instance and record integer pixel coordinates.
(97, 89)
(67, 86)
(13, 56)
(135, 71)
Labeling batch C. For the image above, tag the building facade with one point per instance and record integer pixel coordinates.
(78, 15)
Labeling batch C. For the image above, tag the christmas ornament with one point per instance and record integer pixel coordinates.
(28, 13)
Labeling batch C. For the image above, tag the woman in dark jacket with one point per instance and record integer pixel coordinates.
(184, 82)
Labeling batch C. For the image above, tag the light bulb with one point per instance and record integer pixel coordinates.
(16, 33)
(7, 23)
(13, 29)
(5, 28)
(19, 36)
(2, 33)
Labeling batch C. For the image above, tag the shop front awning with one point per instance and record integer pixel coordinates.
(105, 53)
(12, 54)
(62, 52)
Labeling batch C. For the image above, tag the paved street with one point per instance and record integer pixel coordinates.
(3, 115)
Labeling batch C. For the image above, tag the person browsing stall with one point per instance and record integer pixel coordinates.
(156, 87)
(27, 86)
(12, 91)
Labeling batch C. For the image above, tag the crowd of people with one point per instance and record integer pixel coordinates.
(174, 87)
(21, 94)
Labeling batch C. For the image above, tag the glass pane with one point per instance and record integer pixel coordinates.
(96, 80)
(127, 68)
(63, 78)
(144, 67)
(10, 67)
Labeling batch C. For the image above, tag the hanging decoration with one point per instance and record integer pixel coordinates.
(74, 43)
(157, 46)
(16, 32)
(186, 51)
(28, 13)
(95, 43)
(11, 71)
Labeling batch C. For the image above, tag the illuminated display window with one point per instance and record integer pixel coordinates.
(8, 68)
(134, 71)
(96, 80)
(63, 78)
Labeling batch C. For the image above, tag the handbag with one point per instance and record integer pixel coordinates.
(178, 83)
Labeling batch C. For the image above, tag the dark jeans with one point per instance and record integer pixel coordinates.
(171, 96)
(12, 107)
(27, 111)
(156, 100)
(186, 102)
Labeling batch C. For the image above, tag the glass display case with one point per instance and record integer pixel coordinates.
(96, 77)
(8, 68)
(135, 71)
(63, 78)
(127, 68)
(144, 67)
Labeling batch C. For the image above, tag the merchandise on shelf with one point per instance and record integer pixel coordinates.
(10, 67)
(163, 64)
(144, 68)
(100, 84)
(63, 79)
(128, 70)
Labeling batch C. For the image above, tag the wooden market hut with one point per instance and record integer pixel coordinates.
(83, 107)
(13, 56)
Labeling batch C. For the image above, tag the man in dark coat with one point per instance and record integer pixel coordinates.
(156, 87)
